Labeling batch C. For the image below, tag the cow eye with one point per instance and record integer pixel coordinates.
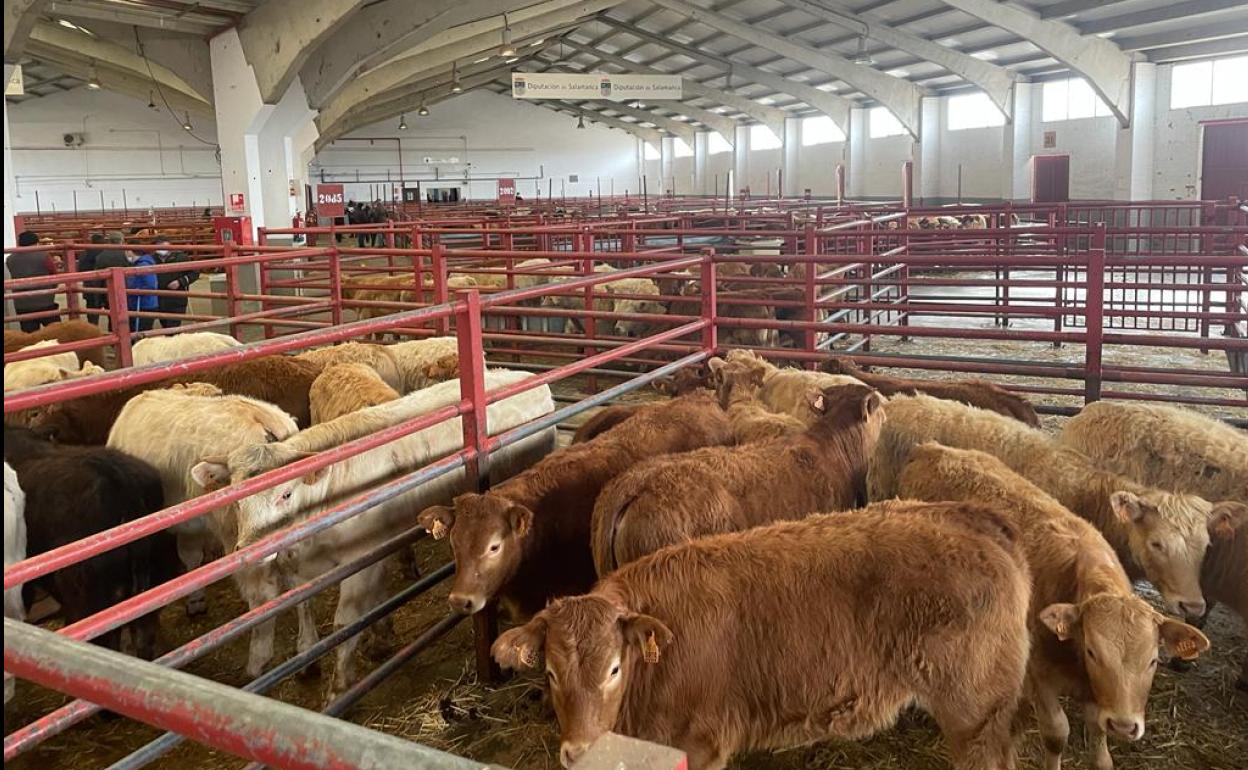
(1152, 663)
(496, 547)
(1091, 655)
(615, 670)
(286, 495)
(1155, 545)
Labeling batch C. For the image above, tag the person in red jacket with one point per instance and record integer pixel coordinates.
(28, 264)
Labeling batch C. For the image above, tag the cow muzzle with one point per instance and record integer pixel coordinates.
(1125, 728)
(466, 604)
(569, 753)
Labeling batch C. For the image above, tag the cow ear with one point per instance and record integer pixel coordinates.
(311, 477)
(1061, 619)
(1181, 639)
(873, 403)
(648, 633)
(715, 364)
(664, 386)
(520, 519)
(1129, 508)
(211, 473)
(1225, 518)
(521, 647)
(817, 401)
(437, 519)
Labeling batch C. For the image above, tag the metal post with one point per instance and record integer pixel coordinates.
(1094, 317)
(907, 184)
(73, 290)
(710, 334)
(119, 314)
(809, 335)
(263, 268)
(840, 184)
(232, 291)
(335, 283)
(439, 284)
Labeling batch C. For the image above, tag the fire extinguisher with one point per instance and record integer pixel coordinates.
(297, 222)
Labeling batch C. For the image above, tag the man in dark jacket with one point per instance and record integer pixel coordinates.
(114, 256)
(86, 263)
(29, 264)
(179, 281)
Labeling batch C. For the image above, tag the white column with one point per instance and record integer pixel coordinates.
(1135, 144)
(741, 160)
(701, 184)
(1016, 145)
(927, 155)
(667, 152)
(10, 185)
(792, 150)
(856, 184)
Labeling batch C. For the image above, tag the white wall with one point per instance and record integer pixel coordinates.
(129, 148)
(491, 135)
(816, 166)
(1176, 157)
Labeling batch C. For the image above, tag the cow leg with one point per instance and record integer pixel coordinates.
(1098, 746)
(357, 594)
(1053, 724)
(979, 738)
(258, 585)
(706, 754)
(191, 554)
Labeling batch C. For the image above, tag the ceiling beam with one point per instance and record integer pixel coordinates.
(460, 43)
(135, 16)
(1185, 10)
(1212, 31)
(673, 127)
(1230, 45)
(279, 36)
(19, 19)
(372, 36)
(835, 107)
(901, 97)
(1104, 65)
(1073, 7)
(995, 81)
(653, 136)
(769, 116)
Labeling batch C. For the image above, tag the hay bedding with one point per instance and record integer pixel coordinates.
(1196, 720)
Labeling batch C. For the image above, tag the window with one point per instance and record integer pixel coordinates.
(763, 138)
(649, 151)
(973, 111)
(681, 148)
(885, 123)
(1071, 99)
(1221, 81)
(820, 130)
(717, 144)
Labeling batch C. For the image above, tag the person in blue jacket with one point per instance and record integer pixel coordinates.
(141, 301)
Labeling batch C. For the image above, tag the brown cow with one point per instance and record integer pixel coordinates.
(683, 381)
(61, 331)
(1093, 638)
(283, 381)
(738, 387)
(781, 635)
(527, 539)
(984, 395)
(669, 500)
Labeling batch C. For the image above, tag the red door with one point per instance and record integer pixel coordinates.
(1050, 178)
(1224, 161)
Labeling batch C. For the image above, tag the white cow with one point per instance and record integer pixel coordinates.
(32, 372)
(278, 507)
(14, 551)
(177, 346)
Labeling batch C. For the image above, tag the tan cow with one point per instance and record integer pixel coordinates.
(345, 388)
(786, 390)
(738, 389)
(1093, 638)
(778, 636)
(669, 500)
(1157, 534)
(378, 357)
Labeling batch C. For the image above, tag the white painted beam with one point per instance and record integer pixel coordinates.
(279, 36)
(130, 16)
(835, 107)
(19, 19)
(770, 116)
(901, 97)
(995, 81)
(480, 37)
(1103, 64)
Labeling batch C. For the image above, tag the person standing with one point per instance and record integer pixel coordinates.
(29, 264)
(140, 281)
(180, 281)
(87, 263)
(114, 256)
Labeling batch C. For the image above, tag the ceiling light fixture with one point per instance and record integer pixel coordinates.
(402, 122)
(93, 80)
(151, 101)
(506, 49)
(580, 121)
(423, 111)
(455, 86)
(186, 121)
(861, 56)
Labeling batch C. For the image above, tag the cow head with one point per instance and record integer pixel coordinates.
(841, 406)
(636, 327)
(1117, 637)
(592, 648)
(736, 381)
(1168, 534)
(683, 381)
(487, 535)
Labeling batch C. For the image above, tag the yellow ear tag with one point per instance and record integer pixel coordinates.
(1187, 650)
(438, 530)
(528, 656)
(650, 651)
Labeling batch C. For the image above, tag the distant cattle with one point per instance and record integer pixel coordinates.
(60, 331)
(1157, 534)
(74, 492)
(781, 636)
(1093, 638)
(528, 540)
(668, 500)
(980, 393)
(56, 367)
(738, 387)
(176, 346)
(787, 390)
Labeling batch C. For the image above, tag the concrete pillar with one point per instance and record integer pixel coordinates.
(667, 152)
(10, 185)
(791, 154)
(741, 160)
(1017, 147)
(701, 184)
(259, 156)
(926, 155)
(1135, 144)
(857, 170)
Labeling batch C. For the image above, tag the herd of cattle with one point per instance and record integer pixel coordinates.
(767, 557)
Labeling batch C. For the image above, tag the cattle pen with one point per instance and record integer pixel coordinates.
(1067, 304)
